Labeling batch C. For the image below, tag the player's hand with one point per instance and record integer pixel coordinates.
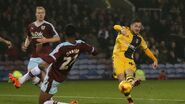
(39, 47)
(42, 40)
(123, 31)
(9, 44)
(155, 65)
(24, 48)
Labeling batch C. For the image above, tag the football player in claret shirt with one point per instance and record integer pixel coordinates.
(58, 64)
(127, 41)
(39, 35)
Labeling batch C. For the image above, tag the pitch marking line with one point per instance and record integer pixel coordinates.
(105, 98)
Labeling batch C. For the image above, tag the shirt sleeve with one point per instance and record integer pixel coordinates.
(89, 49)
(117, 27)
(150, 55)
(143, 44)
(53, 30)
(53, 56)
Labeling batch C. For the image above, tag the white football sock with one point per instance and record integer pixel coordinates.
(53, 102)
(35, 71)
(24, 78)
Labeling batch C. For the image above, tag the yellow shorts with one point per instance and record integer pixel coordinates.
(121, 63)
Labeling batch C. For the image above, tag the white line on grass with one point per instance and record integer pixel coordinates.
(105, 98)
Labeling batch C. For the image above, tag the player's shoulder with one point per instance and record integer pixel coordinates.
(80, 41)
(64, 44)
(49, 23)
(31, 24)
(139, 35)
(127, 28)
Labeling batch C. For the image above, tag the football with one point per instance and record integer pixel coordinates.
(17, 74)
(125, 87)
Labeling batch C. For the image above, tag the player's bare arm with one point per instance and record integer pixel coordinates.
(151, 55)
(8, 43)
(26, 43)
(49, 40)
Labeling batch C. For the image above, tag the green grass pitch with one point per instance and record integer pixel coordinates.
(99, 92)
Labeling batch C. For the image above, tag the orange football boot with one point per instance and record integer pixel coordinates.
(14, 80)
(74, 102)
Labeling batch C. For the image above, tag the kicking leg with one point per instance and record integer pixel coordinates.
(125, 80)
(18, 82)
(130, 78)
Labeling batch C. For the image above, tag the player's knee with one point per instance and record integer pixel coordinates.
(36, 81)
(129, 75)
(129, 71)
(35, 71)
(121, 77)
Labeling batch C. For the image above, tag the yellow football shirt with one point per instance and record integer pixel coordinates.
(126, 45)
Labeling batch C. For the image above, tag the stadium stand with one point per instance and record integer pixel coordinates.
(163, 29)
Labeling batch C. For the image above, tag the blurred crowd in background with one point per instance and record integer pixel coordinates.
(163, 22)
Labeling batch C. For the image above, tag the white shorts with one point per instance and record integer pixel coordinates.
(33, 62)
(50, 86)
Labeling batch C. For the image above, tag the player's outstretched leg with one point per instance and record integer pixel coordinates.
(136, 82)
(125, 87)
(130, 78)
(127, 83)
(129, 98)
(17, 82)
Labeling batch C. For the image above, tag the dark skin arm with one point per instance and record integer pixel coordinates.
(43, 66)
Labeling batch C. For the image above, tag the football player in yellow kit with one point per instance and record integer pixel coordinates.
(127, 41)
